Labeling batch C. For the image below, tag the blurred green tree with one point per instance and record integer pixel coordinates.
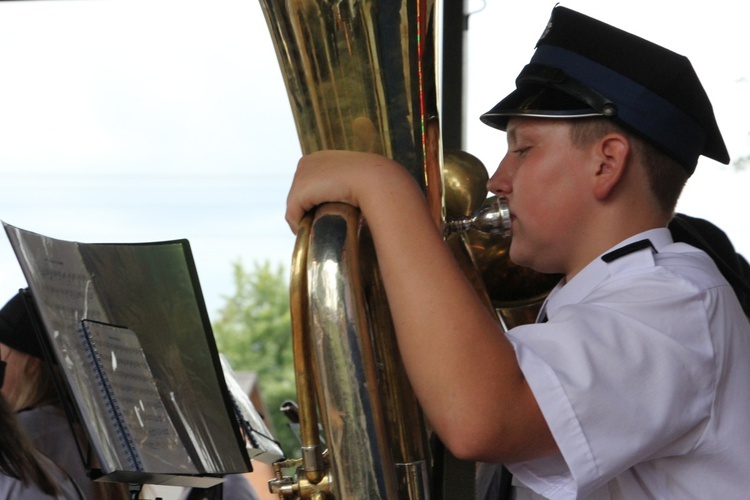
(253, 330)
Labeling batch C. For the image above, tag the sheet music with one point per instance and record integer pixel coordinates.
(61, 285)
(150, 289)
(156, 444)
(261, 445)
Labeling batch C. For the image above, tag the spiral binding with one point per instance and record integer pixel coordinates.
(127, 444)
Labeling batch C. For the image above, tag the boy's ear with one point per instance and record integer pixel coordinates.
(613, 151)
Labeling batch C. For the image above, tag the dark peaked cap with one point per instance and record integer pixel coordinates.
(584, 67)
(16, 329)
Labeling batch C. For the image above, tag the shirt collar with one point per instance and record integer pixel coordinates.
(597, 271)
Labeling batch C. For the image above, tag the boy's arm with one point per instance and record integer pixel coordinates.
(462, 368)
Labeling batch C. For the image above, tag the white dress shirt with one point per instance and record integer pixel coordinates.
(642, 372)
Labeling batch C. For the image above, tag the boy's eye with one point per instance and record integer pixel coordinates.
(520, 151)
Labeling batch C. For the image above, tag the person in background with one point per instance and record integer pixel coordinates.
(25, 474)
(705, 235)
(234, 487)
(633, 383)
(30, 391)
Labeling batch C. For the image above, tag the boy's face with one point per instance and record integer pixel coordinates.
(545, 179)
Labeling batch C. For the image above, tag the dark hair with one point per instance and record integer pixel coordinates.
(666, 177)
(16, 329)
(16, 453)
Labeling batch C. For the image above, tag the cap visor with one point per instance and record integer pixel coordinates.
(536, 101)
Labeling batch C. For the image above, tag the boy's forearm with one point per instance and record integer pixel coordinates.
(452, 346)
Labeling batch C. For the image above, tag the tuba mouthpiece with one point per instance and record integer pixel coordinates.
(492, 218)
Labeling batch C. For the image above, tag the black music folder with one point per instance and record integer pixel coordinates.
(128, 327)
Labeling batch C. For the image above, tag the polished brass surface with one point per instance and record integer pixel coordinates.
(285, 487)
(516, 292)
(491, 218)
(465, 178)
(348, 391)
(304, 373)
(360, 76)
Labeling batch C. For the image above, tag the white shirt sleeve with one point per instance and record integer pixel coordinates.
(618, 380)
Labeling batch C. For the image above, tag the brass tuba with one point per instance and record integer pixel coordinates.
(360, 75)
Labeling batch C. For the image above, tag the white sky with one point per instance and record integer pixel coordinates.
(131, 120)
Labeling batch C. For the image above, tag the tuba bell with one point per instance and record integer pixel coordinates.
(361, 75)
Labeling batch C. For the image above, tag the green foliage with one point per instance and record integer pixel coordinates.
(253, 331)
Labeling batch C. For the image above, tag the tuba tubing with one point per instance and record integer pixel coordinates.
(360, 75)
